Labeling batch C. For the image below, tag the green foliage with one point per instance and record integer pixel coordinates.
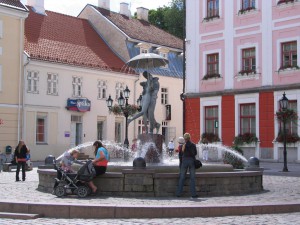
(117, 110)
(287, 115)
(245, 138)
(290, 138)
(169, 18)
(231, 159)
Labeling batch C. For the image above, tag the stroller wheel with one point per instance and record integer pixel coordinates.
(82, 191)
(60, 191)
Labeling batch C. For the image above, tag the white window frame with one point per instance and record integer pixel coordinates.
(76, 86)
(102, 86)
(284, 40)
(53, 81)
(164, 96)
(204, 8)
(239, 5)
(43, 116)
(246, 99)
(204, 55)
(119, 88)
(211, 101)
(239, 56)
(33, 76)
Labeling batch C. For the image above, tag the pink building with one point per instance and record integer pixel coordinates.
(242, 55)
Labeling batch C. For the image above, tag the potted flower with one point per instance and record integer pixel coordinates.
(246, 138)
(210, 137)
(118, 111)
(210, 76)
(287, 115)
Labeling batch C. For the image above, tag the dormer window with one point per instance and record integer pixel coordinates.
(163, 52)
(144, 47)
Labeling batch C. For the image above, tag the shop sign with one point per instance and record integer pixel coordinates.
(79, 104)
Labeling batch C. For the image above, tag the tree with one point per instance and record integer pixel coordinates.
(169, 18)
(173, 18)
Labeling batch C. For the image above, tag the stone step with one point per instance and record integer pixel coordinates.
(19, 216)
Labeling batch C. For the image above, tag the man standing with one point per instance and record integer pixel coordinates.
(189, 152)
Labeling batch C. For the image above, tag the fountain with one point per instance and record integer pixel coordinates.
(151, 175)
(138, 178)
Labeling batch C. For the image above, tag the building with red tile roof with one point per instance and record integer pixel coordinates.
(64, 39)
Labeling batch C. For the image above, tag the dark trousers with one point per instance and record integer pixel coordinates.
(19, 165)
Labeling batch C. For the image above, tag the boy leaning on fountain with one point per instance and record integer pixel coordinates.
(188, 163)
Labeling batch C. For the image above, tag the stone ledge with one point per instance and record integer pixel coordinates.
(19, 216)
(116, 211)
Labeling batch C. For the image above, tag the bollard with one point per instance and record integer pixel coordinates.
(139, 162)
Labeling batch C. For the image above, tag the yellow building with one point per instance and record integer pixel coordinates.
(12, 16)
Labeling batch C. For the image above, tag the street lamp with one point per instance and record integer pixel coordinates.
(123, 103)
(284, 105)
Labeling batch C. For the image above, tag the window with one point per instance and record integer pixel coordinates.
(212, 8)
(41, 129)
(102, 89)
(247, 119)
(289, 54)
(119, 89)
(118, 132)
(164, 96)
(32, 82)
(291, 127)
(77, 86)
(100, 128)
(52, 84)
(248, 60)
(213, 64)
(248, 4)
(211, 119)
(141, 126)
(143, 50)
(1, 79)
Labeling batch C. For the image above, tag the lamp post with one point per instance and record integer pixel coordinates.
(284, 105)
(123, 103)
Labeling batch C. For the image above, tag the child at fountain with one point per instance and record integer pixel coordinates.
(205, 149)
(171, 147)
(100, 162)
(179, 149)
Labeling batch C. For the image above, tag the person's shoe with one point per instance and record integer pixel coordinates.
(23, 179)
(195, 196)
(17, 180)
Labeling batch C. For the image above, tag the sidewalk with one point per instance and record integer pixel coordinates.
(281, 194)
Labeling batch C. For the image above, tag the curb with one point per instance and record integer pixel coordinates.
(114, 211)
(19, 216)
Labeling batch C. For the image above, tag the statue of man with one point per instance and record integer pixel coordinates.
(149, 96)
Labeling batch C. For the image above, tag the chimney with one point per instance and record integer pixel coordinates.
(105, 4)
(37, 5)
(124, 10)
(142, 13)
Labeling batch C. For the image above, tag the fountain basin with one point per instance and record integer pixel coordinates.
(163, 181)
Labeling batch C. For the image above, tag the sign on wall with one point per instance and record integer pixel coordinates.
(79, 104)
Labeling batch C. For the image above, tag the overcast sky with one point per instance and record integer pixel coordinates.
(74, 7)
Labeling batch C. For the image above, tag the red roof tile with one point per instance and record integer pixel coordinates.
(13, 4)
(142, 30)
(68, 40)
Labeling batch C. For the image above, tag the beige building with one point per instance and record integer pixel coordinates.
(12, 17)
(69, 70)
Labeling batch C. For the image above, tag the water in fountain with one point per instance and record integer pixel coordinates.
(232, 152)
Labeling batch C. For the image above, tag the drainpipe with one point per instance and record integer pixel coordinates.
(183, 67)
(20, 80)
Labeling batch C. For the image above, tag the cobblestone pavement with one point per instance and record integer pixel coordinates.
(279, 187)
(270, 219)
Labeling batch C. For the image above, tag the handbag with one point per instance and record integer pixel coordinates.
(198, 164)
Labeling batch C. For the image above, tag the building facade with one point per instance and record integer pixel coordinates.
(67, 72)
(241, 58)
(12, 20)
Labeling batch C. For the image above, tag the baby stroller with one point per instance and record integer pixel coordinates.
(74, 183)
